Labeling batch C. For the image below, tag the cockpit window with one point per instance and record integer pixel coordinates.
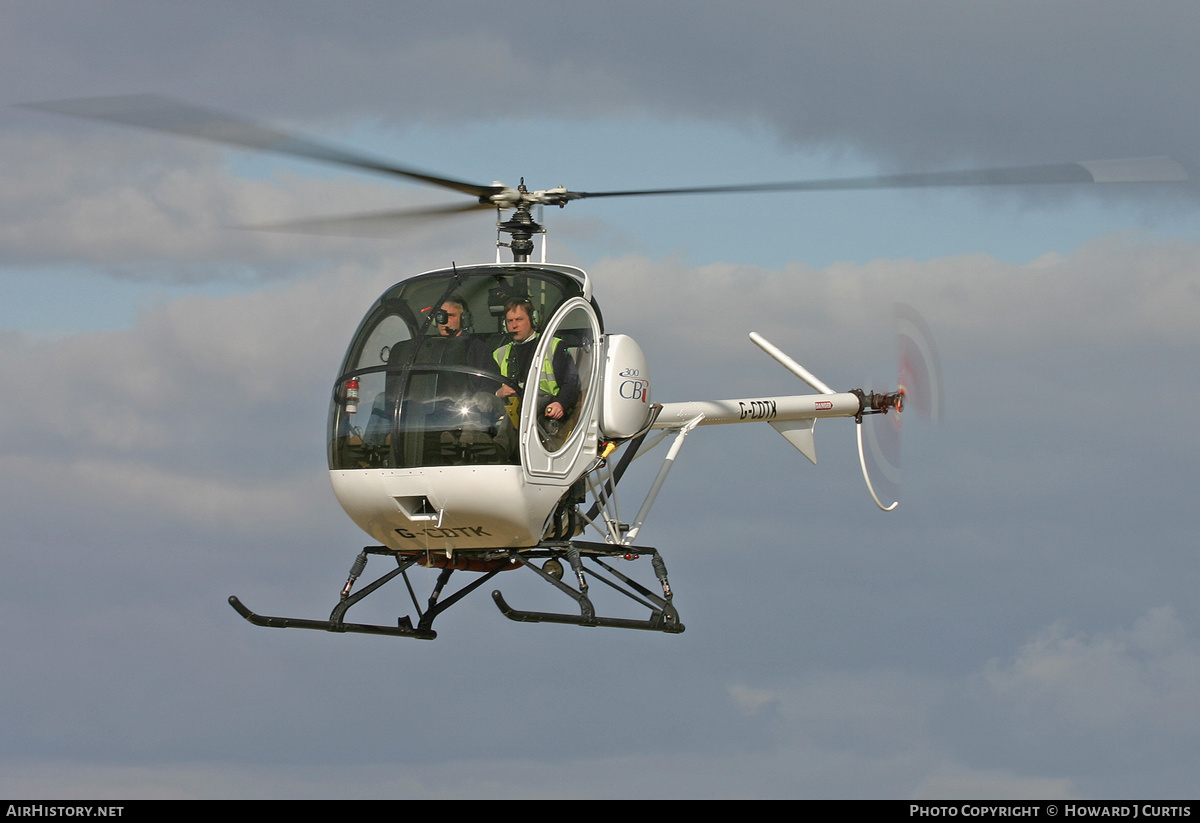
(561, 392)
(419, 389)
(388, 333)
(447, 416)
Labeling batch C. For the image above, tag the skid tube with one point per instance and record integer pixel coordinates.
(404, 626)
(663, 617)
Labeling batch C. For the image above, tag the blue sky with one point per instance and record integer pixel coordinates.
(1024, 625)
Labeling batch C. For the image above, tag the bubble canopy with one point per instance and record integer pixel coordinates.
(413, 393)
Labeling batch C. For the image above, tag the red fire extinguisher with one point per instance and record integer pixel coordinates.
(350, 395)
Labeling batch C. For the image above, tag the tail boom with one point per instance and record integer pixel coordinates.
(761, 409)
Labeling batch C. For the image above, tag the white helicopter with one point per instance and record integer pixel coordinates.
(483, 416)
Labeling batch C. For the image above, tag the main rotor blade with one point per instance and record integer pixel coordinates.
(1129, 170)
(160, 114)
(370, 224)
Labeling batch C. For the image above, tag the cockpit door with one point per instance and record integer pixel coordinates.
(565, 370)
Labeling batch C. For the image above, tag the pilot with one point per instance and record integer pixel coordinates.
(558, 389)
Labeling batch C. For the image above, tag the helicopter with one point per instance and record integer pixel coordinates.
(483, 415)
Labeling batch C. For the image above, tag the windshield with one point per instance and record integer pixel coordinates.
(421, 384)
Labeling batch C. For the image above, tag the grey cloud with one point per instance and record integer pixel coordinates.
(149, 472)
(920, 84)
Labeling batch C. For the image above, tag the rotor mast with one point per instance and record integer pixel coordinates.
(521, 227)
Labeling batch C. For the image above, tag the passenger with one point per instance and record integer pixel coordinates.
(450, 324)
(481, 436)
(558, 388)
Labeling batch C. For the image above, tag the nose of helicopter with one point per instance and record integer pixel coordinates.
(448, 508)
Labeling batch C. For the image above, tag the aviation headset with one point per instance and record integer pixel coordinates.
(441, 316)
(527, 304)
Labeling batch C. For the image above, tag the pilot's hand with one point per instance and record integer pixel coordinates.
(554, 411)
(505, 391)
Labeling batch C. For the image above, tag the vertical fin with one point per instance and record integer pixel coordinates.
(800, 434)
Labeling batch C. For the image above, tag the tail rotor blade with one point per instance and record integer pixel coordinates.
(920, 383)
(919, 367)
(879, 456)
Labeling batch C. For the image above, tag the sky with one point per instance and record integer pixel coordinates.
(1023, 625)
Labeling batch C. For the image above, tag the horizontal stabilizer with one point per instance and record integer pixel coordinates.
(800, 434)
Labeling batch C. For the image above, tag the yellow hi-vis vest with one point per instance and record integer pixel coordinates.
(548, 384)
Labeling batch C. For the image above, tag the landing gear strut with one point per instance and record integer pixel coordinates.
(663, 617)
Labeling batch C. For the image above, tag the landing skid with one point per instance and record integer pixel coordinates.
(404, 627)
(663, 616)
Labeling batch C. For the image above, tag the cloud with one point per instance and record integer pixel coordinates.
(966, 784)
(207, 415)
(211, 385)
(207, 410)
(1001, 633)
(1112, 293)
(997, 83)
(153, 209)
(1125, 695)
(1139, 683)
